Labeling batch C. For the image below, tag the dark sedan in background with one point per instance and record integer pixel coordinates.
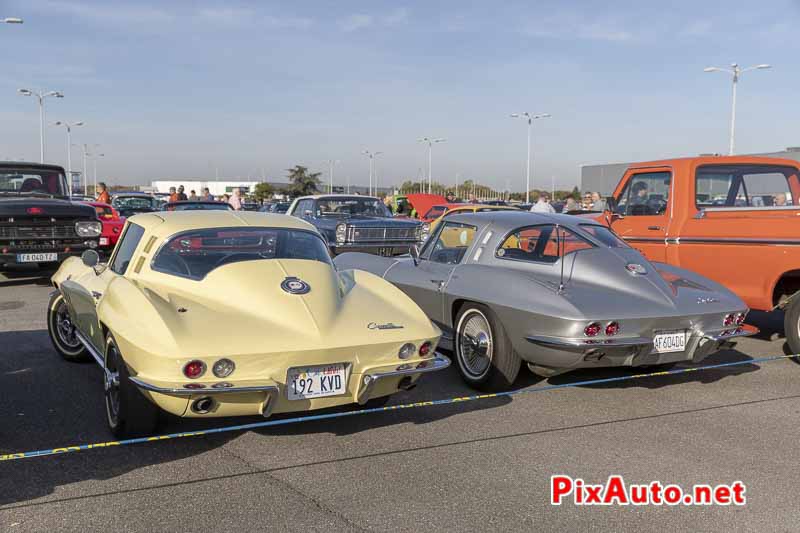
(353, 223)
(133, 203)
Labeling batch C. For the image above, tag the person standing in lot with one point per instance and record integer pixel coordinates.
(181, 195)
(207, 196)
(173, 195)
(542, 205)
(598, 204)
(570, 205)
(236, 200)
(103, 195)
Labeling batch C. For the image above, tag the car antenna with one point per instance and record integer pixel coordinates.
(560, 247)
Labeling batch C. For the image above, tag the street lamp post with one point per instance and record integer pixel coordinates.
(530, 118)
(371, 156)
(94, 159)
(331, 164)
(40, 95)
(735, 71)
(69, 127)
(430, 142)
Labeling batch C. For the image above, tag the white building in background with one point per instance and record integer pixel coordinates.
(217, 188)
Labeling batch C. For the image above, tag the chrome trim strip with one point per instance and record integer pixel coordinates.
(207, 390)
(587, 344)
(734, 240)
(749, 208)
(368, 379)
(98, 357)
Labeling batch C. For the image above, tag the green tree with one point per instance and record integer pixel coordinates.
(263, 191)
(301, 182)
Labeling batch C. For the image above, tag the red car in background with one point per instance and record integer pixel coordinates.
(112, 225)
(429, 207)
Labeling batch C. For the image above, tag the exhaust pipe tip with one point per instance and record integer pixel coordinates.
(202, 405)
(406, 384)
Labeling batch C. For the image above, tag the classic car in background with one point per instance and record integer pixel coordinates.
(467, 208)
(559, 292)
(39, 224)
(358, 223)
(197, 205)
(214, 313)
(275, 207)
(133, 203)
(112, 225)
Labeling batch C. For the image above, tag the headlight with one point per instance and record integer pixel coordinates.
(88, 229)
(341, 233)
(424, 231)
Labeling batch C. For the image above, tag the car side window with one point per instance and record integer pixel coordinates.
(125, 248)
(541, 244)
(743, 186)
(302, 207)
(452, 242)
(645, 194)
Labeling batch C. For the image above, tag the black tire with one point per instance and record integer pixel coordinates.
(487, 363)
(791, 324)
(128, 412)
(62, 331)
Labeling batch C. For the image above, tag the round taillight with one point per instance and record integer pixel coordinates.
(406, 351)
(740, 319)
(729, 320)
(592, 330)
(612, 328)
(223, 368)
(425, 349)
(194, 369)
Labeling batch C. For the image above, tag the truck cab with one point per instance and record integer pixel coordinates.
(39, 223)
(733, 219)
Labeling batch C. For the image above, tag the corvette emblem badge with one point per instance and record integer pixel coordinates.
(294, 285)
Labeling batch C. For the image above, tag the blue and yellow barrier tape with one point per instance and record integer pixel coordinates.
(414, 405)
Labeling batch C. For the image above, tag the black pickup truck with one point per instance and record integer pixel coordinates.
(38, 222)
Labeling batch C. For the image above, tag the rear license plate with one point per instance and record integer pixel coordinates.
(386, 252)
(674, 341)
(307, 382)
(36, 258)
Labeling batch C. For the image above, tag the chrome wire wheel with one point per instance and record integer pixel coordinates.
(65, 329)
(111, 384)
(475, 347)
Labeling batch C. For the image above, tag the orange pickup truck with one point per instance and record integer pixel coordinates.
(733, 219)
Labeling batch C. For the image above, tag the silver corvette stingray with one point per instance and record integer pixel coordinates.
(558, 292)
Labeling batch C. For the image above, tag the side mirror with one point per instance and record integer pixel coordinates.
(90, 258)
(611, 204)
(413, 251)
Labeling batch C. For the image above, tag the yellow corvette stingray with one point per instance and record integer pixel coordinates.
(220, 313)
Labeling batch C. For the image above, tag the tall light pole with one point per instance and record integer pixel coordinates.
(85, 170)
(40, 95)
(94, 159)
(430, 142)
(331, 164)
(530, 118)
(371, 156)
(735, 71)
(69, 127)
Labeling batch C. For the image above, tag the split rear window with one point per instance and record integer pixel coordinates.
(193, 254)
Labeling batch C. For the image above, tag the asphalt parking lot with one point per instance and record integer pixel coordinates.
(465, 467)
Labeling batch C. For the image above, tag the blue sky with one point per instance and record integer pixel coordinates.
(177, 89)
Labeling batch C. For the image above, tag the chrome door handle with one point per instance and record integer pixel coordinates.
(96, 295)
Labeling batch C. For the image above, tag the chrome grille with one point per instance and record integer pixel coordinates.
(38, 232)
(376, 234)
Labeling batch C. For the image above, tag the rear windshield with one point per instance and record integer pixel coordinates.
(189, 206)
(32, 182)
(604, 235)
(133, 202)
(435, 212)
(193, 254)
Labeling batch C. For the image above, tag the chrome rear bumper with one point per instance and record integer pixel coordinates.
(371, 377)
